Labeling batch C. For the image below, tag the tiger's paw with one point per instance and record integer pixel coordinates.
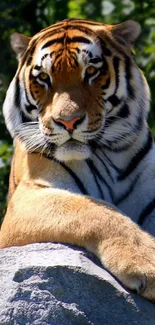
(140, 280)
(133, 265)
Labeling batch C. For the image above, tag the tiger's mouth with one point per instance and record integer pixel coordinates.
(61, 146)
(72, 150)
(72, 142)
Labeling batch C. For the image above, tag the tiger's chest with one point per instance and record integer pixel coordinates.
(99, 180)
(87, 177)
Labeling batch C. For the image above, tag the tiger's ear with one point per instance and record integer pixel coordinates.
(125, 33)
(19, 43)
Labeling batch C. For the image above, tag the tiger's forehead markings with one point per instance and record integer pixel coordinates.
(67, 40)
(64, 28)
(90, 54)
(89, 51)
(42, 65)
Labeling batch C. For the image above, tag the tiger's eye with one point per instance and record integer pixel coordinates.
(43, 76)
(91, 70)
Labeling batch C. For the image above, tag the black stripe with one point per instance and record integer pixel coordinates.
(78, 39)
(73, 28)
(72, 55)
(49, 34)
(111, 145)
(146, 212)
(137, 158)
(71, 62)
(52, 27)
(68, 40)
(76, 49)
(37, 67)
(129, 191)
(114, 100)
(27, 98)
(30, 108)
(128, 77)
(109, 121)
(57, 56)
(53, 41)
(25, 118)
(17, 98)
(118, 170)
(85, 22)
(99, 175)
(124, 111)
(116, 61)
(105, 51)
(139, 123)
(106, 168)
(95, 60)
(31, 92)
(75, 178)
(45, 55)
(17, 103)
(91, 165)
(28, 55)
(106, 85)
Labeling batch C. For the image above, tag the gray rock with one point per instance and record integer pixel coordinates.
(54, 284)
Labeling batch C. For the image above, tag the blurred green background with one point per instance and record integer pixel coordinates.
(29, 16)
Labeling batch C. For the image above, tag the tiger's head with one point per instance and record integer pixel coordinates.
(76, 87)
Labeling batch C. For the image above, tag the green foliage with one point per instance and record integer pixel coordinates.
(30, 16)
(5, 154)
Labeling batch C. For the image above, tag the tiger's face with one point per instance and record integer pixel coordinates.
(64, 82)
(72, 77)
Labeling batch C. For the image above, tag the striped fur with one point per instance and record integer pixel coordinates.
(115, 152)
(77, 108)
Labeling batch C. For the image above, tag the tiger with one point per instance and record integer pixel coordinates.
(83, 170)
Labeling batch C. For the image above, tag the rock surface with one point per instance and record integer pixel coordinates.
(54, 284)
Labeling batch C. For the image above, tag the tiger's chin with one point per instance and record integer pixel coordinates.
(72, 150)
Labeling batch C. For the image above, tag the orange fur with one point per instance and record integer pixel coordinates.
(40, 213)
(40, 210)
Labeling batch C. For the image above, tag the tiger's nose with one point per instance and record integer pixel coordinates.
(70, 124)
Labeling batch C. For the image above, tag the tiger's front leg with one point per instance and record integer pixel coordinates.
(42, 214)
